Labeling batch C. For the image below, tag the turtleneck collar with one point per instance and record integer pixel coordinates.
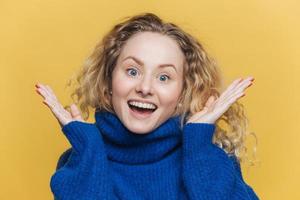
(124, 146)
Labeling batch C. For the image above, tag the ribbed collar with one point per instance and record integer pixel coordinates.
(127, 147)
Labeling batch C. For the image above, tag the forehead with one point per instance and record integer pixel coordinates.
(153, 49)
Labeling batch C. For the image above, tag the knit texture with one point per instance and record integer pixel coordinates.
(107, 161)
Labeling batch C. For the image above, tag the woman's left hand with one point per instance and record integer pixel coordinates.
(214, 109)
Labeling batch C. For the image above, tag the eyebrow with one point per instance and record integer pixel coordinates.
(141, 63)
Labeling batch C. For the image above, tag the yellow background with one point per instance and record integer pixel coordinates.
(47, 41)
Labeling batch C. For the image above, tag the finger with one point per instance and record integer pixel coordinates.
(50, 96)
(46, 103)
(37, 85)
(225, 106)
(53, 104)
(44, 88)
(42, 92)
(249, 79)
(48, 91)
(240, 89)
(53, 109)
(56, 108)
(60, 113)
(235, 98)
(209, 103)
(235, 83)
(230, 88)
(75, 112)
(51, 92)
(233, 87)
(37, 90)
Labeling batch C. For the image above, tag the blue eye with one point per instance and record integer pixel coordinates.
(164, 79)
(132, 72)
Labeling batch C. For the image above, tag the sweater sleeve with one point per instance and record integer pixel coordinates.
(238, 170)
(208, 172)
(82, 171)
(63, 158)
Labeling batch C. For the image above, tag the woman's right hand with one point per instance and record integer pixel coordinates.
(62, 115)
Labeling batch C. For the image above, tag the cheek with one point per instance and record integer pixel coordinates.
(121, 86)
(169, 96)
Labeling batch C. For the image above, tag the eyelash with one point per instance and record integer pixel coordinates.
(168, 77)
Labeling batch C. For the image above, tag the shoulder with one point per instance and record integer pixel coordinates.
(63, 158)
(235, 161)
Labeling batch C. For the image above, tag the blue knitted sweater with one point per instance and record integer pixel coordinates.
(107, 161)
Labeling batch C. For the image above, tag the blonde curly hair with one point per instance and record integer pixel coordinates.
(202, 80)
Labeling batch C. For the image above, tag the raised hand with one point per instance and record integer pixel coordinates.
(215, 108)
(62, 115)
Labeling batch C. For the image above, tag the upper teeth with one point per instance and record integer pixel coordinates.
(142, 105)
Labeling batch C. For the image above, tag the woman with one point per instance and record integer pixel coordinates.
(158, 104)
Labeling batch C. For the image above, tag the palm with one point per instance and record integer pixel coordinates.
(215, 108)
(62, 115)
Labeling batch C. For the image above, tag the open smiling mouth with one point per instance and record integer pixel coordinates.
(141, 110)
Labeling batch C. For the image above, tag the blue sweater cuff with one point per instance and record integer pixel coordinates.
(200, 133)
(197, 137)
(80, 134)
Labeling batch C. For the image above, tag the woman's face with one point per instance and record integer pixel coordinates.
(150, 70)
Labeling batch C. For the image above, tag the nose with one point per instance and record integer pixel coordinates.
(144, 87)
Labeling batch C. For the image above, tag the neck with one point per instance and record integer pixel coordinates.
(124, 146)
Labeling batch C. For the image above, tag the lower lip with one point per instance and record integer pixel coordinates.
(140, 115)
